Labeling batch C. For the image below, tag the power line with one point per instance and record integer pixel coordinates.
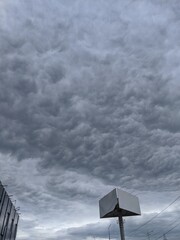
(168, 225)
(150, 220)
(167, 231)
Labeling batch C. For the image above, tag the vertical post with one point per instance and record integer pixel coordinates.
(164, 237)
(149, 235)
(121, 227)
(109, 232)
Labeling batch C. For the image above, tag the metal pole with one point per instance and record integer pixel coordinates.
(149, 235)
(121, 227)
(164, 237)
(109, 232)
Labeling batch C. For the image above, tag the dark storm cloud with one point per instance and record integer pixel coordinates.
(89, 97)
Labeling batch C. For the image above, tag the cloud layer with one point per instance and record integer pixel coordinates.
(89, 100)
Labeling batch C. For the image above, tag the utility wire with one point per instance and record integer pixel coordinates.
(167, 231)
(150, 220)
(154, 234)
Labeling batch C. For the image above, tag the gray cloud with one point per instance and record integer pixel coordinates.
(89, 100)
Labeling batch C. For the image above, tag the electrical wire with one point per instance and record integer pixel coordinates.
(154, 234)
(150, 220)
(168, 231)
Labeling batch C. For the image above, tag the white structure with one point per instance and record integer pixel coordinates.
(119, 203)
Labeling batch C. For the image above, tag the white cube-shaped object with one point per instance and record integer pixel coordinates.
(119, 202)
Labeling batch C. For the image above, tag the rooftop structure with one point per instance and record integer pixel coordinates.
(9, 216)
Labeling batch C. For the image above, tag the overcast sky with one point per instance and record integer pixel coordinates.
(89, 101)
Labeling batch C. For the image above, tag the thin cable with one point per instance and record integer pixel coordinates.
(150, 220)
(154, 234)
(168, 231)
